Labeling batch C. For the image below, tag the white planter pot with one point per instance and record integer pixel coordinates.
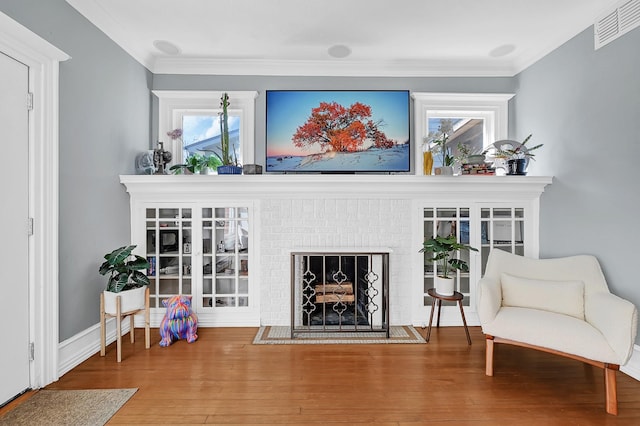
(445, 286)
(444, 171)
(130, 300)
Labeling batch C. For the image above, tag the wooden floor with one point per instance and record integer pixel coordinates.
(223, 378)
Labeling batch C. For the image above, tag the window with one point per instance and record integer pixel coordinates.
(477, 119)
(197, 114)
(201, 133)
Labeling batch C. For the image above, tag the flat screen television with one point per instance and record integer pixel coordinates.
(339, 131)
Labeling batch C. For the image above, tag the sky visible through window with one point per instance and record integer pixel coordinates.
(197, 128)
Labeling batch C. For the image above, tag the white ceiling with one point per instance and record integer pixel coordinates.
(385, 37)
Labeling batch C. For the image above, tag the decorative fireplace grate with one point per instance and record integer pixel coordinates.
(339, 292)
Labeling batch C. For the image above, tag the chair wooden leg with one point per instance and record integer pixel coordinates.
(132, 328)
(118, 330)
(610, 389)
(489, 356)
(147, 321)
(103, 331)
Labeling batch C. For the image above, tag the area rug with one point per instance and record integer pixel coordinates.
(272, 335)
(68, 407)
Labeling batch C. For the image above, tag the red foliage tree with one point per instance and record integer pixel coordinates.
(336, 128)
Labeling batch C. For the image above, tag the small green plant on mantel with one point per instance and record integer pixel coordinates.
(197, 162)
(442, 250)
(520, 152)
(124, 269)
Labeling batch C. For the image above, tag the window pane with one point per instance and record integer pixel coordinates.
(465, 136)
(201, 133)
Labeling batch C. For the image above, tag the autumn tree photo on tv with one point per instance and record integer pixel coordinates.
(334, 127)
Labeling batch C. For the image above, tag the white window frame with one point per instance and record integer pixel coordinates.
(492, 107)
(173, 104)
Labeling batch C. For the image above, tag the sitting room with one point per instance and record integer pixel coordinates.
(416, 201)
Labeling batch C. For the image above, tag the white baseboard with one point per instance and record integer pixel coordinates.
(632, 368)
(76, 349)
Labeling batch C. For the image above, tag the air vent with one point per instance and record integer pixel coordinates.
(616, 23)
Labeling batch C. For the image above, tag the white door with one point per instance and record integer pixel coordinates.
(14, 248)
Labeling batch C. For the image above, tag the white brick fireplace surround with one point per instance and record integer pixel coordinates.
(316, 212)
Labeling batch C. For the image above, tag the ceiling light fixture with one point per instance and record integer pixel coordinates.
(339, 51)
(167, 47)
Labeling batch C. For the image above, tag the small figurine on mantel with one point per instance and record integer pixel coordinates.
(161, 158)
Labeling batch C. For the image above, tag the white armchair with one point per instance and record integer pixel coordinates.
(562, 306)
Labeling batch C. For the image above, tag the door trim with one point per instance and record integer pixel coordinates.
(43, 60)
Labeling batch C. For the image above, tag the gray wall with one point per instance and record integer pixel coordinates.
(104, 122)
(584, 105)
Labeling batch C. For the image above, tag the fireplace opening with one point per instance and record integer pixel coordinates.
(339, 292)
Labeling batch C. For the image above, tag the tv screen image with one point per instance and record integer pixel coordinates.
(337, 131)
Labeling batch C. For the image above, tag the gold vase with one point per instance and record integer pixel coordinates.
(427, 163)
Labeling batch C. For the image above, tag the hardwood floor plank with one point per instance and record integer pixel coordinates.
(224, 379)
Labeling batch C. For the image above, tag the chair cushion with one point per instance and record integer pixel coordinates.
(562, 297)
(554, 331)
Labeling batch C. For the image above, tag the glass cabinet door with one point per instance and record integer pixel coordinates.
(168, 249)
(442, 222)
(501, 228)
(225, 259)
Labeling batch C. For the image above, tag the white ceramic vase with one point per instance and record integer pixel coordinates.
(130, 300)
(445, 286)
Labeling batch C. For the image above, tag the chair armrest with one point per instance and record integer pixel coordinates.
(489, 300)
(615, 318)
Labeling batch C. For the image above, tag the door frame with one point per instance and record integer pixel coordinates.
(43, 60)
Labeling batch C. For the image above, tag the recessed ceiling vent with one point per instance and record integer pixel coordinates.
(616, 23)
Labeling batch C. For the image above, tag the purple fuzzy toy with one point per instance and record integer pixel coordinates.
(178, 322)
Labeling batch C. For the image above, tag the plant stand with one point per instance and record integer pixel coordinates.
(119, 315)
(437, 300)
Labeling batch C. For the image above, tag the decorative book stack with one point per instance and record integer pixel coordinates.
(478, 169)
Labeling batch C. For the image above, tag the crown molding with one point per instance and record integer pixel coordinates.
(339, 67)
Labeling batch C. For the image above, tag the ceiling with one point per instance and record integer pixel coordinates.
(341, 37)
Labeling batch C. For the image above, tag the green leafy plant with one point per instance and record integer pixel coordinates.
(212, 161)
(193, 164)
(196, 162)
(442, 251)
(519, 152)
(124, 269)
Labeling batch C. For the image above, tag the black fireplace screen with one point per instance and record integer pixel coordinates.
(339, 292)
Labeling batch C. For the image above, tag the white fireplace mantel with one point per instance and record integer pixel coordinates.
(338, 186)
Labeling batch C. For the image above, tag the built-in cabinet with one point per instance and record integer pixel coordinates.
(202, 250)
(508, 226)
(227, 240)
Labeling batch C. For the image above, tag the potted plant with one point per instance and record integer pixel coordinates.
(442, 251)
(210, 163)
(126, 280)
(518, 157)
(192, 165)
(227, 155)
(439, 141)
(197, 163)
